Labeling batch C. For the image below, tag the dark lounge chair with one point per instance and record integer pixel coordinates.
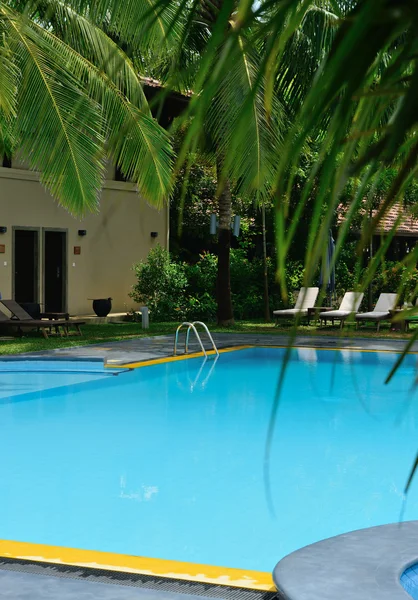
(5, 322)
(23, 319)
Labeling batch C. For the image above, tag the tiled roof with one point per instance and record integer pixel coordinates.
(150, 82)
(407, 227)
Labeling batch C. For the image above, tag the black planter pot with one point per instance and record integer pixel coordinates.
(102, 306)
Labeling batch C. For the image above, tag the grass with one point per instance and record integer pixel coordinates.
(113, 332)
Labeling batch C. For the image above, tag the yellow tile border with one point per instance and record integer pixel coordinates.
(167, 359)
(171, 569)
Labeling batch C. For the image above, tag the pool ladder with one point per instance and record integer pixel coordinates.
(192, 327)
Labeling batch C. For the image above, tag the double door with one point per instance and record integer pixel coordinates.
(40, 267)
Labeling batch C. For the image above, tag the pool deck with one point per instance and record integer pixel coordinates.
(361, 565)
(29, 580)
(161, 347)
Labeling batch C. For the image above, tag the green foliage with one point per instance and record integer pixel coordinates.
(161, 285)
(70, 99)
(201, 278)
(396, 277)
(294, 275)
(177, 290)
(191, 205)
(190, 210)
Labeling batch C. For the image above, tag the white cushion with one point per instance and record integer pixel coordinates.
(307, 297)
(335, 314)
(290, 312)
(351, 301)
(385, 302)
(374, 315)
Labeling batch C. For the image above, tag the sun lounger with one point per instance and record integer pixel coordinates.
(306, 299)
(381, 311)
(6, 323)
(349, 306)
(23, 319)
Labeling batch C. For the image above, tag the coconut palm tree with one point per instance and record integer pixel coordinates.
(68, 105)
(172, 41)
(241, 106)
(258, 94)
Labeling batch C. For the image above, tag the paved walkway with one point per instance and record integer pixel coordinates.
(26, 580)
(141, 349)
(361, 565)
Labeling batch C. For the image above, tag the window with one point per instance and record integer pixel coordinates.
(7, 161)
(119, 176)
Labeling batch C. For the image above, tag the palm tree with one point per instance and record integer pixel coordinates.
(241, 105)
(240, 114)
(221, 106)
(68, 105)
(172, 40)
(259, 95)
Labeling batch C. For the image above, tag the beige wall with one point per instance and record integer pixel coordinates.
(116, 238)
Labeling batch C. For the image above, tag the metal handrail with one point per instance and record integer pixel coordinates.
(205, 327)
(192, 327)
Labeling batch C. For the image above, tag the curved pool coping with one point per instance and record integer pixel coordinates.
(361, 565)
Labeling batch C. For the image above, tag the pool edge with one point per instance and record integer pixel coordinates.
(170, 569)
(168, 359)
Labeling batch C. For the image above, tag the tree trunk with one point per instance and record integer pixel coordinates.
(223, 284)
(265, 268)
(370, 290)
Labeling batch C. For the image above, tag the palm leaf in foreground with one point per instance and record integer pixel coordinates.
(59, 128)
(71, 114)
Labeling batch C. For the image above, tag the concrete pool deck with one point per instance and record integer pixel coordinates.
(160, 347)
(28, 580)
(361, 565)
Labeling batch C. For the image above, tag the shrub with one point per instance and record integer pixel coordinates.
(179, 291)
(161, 285)
(395, 277)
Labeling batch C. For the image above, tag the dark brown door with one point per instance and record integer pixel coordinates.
(26, 265)
(55, 244)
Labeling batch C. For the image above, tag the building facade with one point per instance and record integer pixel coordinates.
(50, 257)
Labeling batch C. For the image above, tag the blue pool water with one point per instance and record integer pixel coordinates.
(166, 461)
(409, 581)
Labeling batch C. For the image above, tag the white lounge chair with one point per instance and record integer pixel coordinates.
(385, 303)
(349, 306)
(306, 299)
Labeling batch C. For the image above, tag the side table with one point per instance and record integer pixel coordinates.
(314, 311)
(399, 324)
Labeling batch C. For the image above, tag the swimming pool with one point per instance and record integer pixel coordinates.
(167, 461)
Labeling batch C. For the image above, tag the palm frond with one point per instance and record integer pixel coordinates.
(90, 41)
(9, 75)
(94, 118)
(246, 136)
(145, 23)
(58, 128)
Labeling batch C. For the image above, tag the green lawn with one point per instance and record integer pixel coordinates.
(111, 332)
